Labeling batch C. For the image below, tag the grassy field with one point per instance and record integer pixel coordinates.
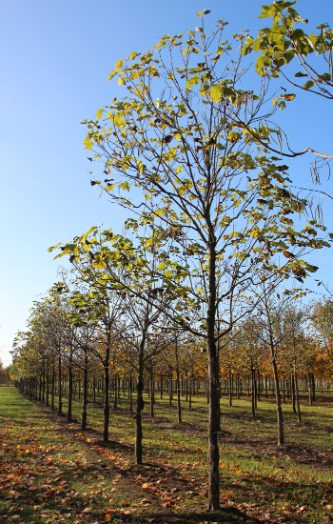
(52, 472)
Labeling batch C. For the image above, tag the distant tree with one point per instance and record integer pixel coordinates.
(322, 318)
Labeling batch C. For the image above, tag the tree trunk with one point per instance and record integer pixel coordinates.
(161, 385)
(139, 406)
(253, 401)
(130, 391)
(213, 387)
(59, 384)
(309, 390)
(70, 385)
(179, 406)
(230, 386)
(299, 417)
(53, 386)
(107, 389)
(152, 391)
(47, 399)
(170, 387)
(85, 391)
(280, 425)
(292, 389)
(313, 386)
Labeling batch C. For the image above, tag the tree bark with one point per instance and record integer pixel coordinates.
(106, 411)
(279, 412)
(85, 391)
(298, 406)
(152, 391)
(139, 406)
(213, 387)
(179, 405)
(59, 383)
(70, 385)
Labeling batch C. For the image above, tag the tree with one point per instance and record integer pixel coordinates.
(322, 319)
(128, 275)
(295, 343)
(175, 145)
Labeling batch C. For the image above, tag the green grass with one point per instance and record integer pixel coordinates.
(292, 484)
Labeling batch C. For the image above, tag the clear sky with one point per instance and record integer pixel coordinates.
(55, 57)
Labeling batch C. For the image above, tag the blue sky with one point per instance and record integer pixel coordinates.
(55, 57)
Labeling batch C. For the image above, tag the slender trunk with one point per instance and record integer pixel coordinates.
(280, 425)
(130, 392)
(238, 386)
(258, 383)
(190, 393)
(59, 383)
(179, 406)
(70, 385)
(139, 406)
(298, 406)
(40, 389)
(152, 391)
(213, 387)
(170, 387)
(309, 390)
(47, 400)
(107, 389)
(85, 391)
(292, 388)
(94, 389)
(219, 392)
(253, 402)
(115, 392)
(230, 386)
(53, 386)
(313, 387)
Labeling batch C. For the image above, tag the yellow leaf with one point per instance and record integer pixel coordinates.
(118, 65)
(192, 81)
(118, 120)
(215, 93)
(88, 143)
(99, 114)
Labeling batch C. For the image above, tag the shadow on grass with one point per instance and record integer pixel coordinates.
(225, 515)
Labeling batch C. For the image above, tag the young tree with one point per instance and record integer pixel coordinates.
(175, 144)
(322, 319)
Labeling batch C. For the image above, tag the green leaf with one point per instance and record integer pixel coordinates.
(308, 84)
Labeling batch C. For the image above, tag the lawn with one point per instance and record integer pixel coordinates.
(53, 472)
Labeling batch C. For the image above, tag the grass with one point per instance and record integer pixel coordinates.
(258, 481)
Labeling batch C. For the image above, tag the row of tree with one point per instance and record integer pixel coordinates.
(195, 153)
